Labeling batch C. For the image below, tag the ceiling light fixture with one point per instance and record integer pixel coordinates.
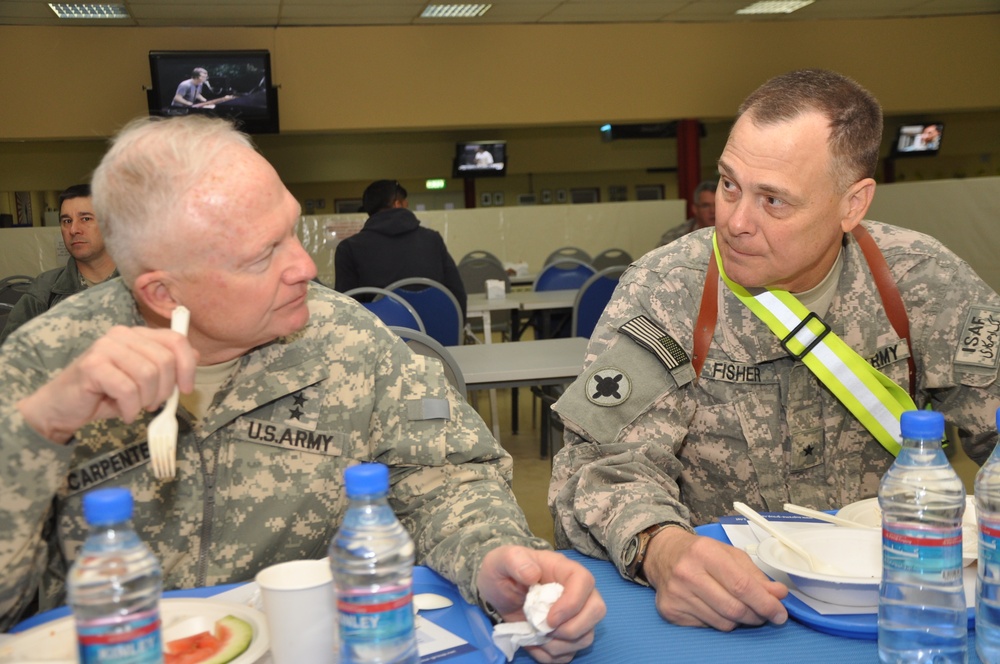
(774, 7)
(88, 10)
(454, 11)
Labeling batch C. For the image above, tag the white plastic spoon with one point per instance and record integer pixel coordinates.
(823, 516)
(814, 563)
(430, 601)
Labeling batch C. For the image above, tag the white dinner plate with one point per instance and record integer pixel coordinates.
(867, 512)
(56, 640)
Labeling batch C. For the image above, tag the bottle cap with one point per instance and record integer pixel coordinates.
(103, 507)
(922, 425)
(366, 479)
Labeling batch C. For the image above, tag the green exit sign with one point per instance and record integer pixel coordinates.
(437, 183)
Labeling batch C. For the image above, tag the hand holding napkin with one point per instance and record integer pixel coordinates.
(535, 631)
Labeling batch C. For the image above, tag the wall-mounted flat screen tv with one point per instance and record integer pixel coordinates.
(227, 84)
(919, 139)
(477, 159)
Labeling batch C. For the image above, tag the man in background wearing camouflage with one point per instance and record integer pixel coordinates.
(89, 263)
(287, 383)
(652, 449)
(703, 209)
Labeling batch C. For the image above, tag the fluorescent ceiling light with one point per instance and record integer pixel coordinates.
(774, 7)
(88, 10)
(454, 11)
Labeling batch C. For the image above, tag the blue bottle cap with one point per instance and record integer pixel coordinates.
(366, 479)
(922, 425)
(998, 418)
(103, 507)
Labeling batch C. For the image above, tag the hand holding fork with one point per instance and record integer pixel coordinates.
(162, 433)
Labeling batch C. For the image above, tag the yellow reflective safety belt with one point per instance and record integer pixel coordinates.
(869, 394)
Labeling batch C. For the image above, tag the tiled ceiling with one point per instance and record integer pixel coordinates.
(264, 13)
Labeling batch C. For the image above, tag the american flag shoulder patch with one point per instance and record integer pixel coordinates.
(655, 339)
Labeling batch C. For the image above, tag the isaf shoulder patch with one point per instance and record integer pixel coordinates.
(608, 387)
(655, 339)
(979, 345)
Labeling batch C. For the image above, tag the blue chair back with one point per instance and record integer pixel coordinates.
(436, 305)
(390, 308)
(593, 298)
(564, 274)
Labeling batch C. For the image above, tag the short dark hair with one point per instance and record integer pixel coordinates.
(76, 191)
(381, 195)
(854, 114)
(705, 185)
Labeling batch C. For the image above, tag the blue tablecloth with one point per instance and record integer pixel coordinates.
(632, 630)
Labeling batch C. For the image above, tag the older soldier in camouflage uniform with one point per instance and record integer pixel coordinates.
(294, 383)
(653, 450)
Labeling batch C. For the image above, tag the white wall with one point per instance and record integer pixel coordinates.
(963, 214)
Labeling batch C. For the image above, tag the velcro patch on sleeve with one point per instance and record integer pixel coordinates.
(655, 339)
(428, 409)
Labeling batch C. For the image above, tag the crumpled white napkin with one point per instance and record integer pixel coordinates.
(508, 637)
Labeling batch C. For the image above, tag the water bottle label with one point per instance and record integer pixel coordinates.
(133, 639)
(923, 551)
(375, 618)
(989, 552)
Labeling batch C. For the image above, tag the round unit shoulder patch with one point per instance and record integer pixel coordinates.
(608, 387)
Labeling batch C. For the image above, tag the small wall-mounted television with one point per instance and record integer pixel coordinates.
(918, 139)
(226, 84)
(478, 159)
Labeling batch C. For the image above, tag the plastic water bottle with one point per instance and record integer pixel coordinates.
(988, 572)
(372, 561)
(114, 586)
(922, 615)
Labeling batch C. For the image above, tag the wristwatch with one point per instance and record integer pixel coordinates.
(635, 551)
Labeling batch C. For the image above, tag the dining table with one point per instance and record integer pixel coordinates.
(632, 630)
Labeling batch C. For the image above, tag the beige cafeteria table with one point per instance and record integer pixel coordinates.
(479, 305)
(520, 364)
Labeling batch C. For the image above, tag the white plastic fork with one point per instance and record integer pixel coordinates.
(162, 433)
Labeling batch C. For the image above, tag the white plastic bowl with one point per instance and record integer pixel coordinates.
(856, 551)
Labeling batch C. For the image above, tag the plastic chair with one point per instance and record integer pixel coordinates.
(436, 305)
(567, 252)
(423, 344)
(592, 299)
(610, 257)
(391, 309)
(475, 272)
(564, 274)
(480, 255)
(13, 287)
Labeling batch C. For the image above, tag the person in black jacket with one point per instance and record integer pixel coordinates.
(393, 245)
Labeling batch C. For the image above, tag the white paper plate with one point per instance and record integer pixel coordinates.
(56, 640)
(867, 512)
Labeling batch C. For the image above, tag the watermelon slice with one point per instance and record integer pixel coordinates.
(231, 639)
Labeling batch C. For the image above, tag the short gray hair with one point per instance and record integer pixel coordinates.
(141, 183)
(853, 113)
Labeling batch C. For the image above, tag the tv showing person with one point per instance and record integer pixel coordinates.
(920, 138)
(189, 92)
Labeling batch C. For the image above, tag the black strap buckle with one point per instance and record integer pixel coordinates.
(798, 328)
